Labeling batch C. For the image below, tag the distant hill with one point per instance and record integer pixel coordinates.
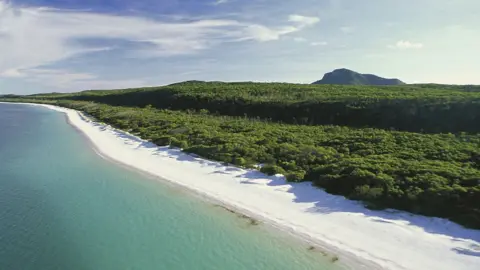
(346, 76)
(9, 96)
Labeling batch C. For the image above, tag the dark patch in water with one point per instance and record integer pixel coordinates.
(252, 221)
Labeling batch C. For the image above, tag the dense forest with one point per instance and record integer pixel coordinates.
(466, 88)
(430, 174)
(416, 108)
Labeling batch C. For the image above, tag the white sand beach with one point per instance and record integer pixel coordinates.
(361, 238)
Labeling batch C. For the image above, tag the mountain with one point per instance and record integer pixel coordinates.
(346, 76)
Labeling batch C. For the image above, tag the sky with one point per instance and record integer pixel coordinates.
(74, 45)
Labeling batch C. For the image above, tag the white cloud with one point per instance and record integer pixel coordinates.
(303, 21)
(32, 37)
(405, 45)
(319, 43)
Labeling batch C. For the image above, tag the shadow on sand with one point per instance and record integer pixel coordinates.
(325, 203)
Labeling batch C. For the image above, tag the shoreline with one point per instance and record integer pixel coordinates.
(361, 238)
(349, 261)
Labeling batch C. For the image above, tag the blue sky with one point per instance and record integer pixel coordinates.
(71, 45)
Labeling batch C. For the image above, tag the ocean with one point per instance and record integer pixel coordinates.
(62, 206)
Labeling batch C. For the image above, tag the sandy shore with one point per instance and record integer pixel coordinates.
(361, 238)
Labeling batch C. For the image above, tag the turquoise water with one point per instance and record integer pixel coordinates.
(64, 207)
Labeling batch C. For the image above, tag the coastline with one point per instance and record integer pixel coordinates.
(361, 238)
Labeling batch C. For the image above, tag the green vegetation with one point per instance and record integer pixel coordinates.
(429, 174)
(406, 108)
(466, 88)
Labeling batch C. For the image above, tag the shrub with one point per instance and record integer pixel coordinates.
(162, 141)
(271, 169)
(295, 176)
(239, 161)
(178, 143)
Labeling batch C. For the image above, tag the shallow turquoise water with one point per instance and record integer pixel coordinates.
(63, 207)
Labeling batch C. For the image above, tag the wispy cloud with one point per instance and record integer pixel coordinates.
(41, 36)
(347, 29)
(303, 21)
(405, 45)
(220, 2)
(74, 81)
(299, 39)
(318, 43)
(263, 33)
(157, 42)
(11, 73)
